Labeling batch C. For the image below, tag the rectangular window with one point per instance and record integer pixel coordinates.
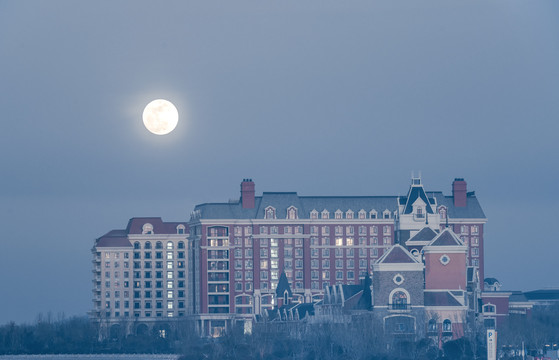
(264, 264)
(326, 275)
(248, 275)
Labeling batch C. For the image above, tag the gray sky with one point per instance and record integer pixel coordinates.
(319, 97)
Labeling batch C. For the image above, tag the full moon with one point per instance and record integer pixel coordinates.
(160, 117)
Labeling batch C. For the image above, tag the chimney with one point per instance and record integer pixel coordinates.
(459, 192)
(247, 194)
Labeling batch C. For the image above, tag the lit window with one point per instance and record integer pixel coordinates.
(170, 245)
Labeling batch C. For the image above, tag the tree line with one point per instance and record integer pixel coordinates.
(361, 339)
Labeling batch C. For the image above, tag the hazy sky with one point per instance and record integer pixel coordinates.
(319, 97)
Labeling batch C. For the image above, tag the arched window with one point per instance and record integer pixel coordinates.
(432, 327)
(270, 213)
(399, 300)
(292, 213)
(170, 245)
(147, 245)
(158, 245)
(442, 212)
(136, 245)
(180, 229)
(447, 326)
(147, 229)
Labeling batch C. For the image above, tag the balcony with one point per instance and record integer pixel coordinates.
(399, 307)
(419, 217)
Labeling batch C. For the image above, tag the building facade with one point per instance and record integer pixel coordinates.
(239, 249)
(140, 276)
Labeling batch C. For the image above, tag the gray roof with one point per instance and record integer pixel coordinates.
(425, 234)
(281, 201)
(119, 238)
(440, 298)
(472, 210)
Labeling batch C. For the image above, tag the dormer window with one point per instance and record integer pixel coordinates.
(325, 214)
(270, 213)
(386, 214)
(292, 213)
(362, 214)
(181, 229)
(442, 213)
(349, 214)
(338, 214)
(373, 214)
(314, 215)
(147, 229)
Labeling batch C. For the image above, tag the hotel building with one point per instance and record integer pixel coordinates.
(140, 274)
(239, 249)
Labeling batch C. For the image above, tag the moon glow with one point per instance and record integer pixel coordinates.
(160, 117)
